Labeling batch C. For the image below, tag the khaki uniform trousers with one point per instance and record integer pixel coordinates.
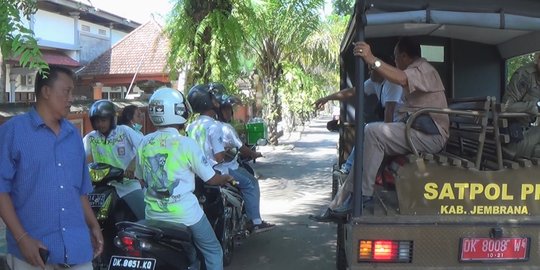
(382, 139)
(528, 147)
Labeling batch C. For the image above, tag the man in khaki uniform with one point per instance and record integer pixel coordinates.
(523, 95)
(422, 87)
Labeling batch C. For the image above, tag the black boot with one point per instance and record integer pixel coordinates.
(330, 216)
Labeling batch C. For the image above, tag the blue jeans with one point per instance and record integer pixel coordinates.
(348, 164)
(206, 241)
(249, 185)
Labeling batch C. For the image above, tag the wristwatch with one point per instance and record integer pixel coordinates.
(377, 64)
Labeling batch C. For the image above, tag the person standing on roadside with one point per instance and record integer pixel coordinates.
(44, 182)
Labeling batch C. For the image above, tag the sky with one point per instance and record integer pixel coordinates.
(136, 10)
(140, 10)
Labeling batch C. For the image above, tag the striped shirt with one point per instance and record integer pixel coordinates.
(45, 175)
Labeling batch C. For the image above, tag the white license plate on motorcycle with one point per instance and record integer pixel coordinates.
(131, 263)
(96, 200)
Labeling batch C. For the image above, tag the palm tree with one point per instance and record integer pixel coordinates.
(278, 35)
(206, 36)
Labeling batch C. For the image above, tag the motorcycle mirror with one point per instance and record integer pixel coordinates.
(262, 141)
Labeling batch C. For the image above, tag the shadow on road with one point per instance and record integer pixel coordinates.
(295, 182)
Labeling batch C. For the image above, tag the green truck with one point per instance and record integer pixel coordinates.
(469, 206)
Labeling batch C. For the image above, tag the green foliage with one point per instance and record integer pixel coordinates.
(324, 45)
(18, 41)
(343, 7)
(293, 50)
(279, 32)
(208, 36)
(298, 90)
(514, 63)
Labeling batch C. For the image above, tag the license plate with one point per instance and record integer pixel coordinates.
(500, 249)
(130, 263)
(96, 200)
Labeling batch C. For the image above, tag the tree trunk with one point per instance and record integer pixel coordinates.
(273, 113)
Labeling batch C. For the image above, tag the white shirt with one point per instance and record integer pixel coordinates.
(118, 149)
(169, 161)
(386, 92)
(208, 134)
(230, 140)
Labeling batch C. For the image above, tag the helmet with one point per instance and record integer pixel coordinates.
(216, 88)
(102, 109)
(168, 106)
(228, 101)
(201, 98)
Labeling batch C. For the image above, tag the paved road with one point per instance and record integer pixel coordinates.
(295, 182)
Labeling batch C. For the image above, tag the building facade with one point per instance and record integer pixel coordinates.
(69, 33)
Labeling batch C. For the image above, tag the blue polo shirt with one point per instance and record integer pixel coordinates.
(45, 175)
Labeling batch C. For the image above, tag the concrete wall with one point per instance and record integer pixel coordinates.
(54, 27)
(117, 36)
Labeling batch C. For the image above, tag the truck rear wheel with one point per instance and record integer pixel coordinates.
(341, 259)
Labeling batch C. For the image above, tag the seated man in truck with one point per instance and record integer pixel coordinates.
(388, 97)
(422, 87)
(523, 95)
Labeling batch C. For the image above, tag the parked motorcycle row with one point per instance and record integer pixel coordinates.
(156, 245)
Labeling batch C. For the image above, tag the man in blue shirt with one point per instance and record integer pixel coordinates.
(44, 183)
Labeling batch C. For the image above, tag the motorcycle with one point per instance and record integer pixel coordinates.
(108, 207)
(166, 245)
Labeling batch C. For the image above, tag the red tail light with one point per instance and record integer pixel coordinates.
(385, 251)
(128, 241)
(130, 245)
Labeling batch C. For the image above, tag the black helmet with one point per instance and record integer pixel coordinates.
(228, 101)
(102, 109)
(200, 98)
(216, 88)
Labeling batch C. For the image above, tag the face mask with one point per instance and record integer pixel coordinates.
(137, 127)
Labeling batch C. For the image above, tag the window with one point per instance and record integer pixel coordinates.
(24, 97)
(102, 32)
(27, 80)
(114, 95)
(85, 28)
(433, 53)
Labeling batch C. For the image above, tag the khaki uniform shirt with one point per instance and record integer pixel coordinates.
(523, 91)
(425, 90)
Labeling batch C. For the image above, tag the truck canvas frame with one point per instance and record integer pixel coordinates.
(470, 206)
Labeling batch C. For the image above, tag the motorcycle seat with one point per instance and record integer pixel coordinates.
(171, 230)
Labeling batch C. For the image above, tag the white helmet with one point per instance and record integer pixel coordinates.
(168, 106)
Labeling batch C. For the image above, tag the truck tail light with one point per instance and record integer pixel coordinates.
(385, 251)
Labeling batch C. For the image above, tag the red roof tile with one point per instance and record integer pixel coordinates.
(58, 58)
(143, 50)
(53, 58)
